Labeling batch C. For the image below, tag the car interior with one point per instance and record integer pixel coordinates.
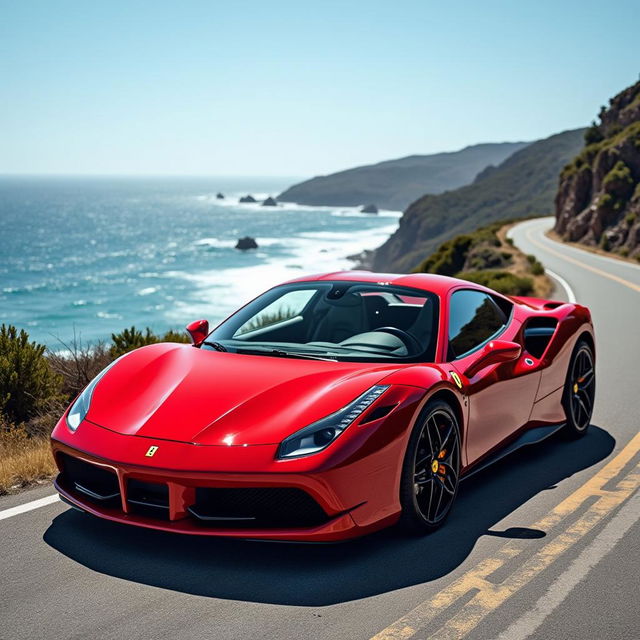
(382, 321)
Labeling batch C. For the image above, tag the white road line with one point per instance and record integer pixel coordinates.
(602, 544)
(565, 285)
(29, 506)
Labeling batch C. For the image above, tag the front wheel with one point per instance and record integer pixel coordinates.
(431, 469)
(579, 391)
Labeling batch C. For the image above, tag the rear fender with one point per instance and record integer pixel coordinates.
(573, 321)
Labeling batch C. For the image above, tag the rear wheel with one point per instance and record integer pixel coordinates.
(431, 469)
(579, 391)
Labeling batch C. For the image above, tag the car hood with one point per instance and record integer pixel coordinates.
(177, 392)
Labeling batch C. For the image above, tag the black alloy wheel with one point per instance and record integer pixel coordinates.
(580, 390)
(431, 469)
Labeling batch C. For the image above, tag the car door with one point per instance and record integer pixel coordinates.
(500, 396)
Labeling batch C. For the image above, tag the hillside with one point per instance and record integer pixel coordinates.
(487, 257)
(598, 200)
(524, 185)
(394, 184)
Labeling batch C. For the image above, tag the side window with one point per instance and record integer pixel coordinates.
(474, 317)
(286, 307)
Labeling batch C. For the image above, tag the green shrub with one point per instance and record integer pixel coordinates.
(619, 181)
(501, 281)
(537, 269)
(130, 339)
(449, 258)
(593, 134)
(175, 336)
(630, 218)
(28, 385)
(484, 257)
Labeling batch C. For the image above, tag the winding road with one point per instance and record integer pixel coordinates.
(544, 544)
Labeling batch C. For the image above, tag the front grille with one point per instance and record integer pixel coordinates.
(148, 498)
(98, 484)
(213, 508)
(259, 507)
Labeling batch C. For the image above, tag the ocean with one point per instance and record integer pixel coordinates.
(90, 256)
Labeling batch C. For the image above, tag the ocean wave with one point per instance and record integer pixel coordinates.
(147, 291)
(216, 293)
(233, 200)
(29, 288)
(382, 213)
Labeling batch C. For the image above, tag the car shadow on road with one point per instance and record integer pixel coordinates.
(317, 575)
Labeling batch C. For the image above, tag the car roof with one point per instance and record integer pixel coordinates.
(427, 281)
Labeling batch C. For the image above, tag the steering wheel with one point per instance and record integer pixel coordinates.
(412, 345)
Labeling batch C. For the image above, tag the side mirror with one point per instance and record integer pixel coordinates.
(198, 330)
(494, 352)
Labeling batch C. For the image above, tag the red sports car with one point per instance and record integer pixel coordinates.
(328, 407)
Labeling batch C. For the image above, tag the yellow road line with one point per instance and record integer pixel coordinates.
(584, 265)
(489, 595)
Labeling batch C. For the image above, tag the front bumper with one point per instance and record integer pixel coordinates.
(175, 508)
(345, 493)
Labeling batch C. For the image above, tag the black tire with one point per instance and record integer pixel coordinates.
(579, 390)
(431, 469)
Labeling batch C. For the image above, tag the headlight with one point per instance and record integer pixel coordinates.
(321, 434)
(80, 407)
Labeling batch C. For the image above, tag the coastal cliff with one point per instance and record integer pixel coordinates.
(598, 199)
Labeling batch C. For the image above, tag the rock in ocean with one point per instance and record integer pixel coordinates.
(246, 243)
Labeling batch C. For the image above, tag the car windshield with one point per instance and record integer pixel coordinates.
(334, 320)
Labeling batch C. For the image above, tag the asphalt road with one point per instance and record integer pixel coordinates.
(544, 544)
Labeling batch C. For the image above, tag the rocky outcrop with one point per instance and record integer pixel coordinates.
(246, 243)
(369, 208)
(247, 199)
(269, 202)
(598, 199)
(220, 196)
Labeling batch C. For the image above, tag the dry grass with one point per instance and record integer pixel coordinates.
(23, 460)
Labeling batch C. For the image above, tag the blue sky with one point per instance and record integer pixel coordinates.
(296, 88)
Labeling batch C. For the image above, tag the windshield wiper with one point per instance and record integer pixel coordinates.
(216, 345)
(280, 353)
